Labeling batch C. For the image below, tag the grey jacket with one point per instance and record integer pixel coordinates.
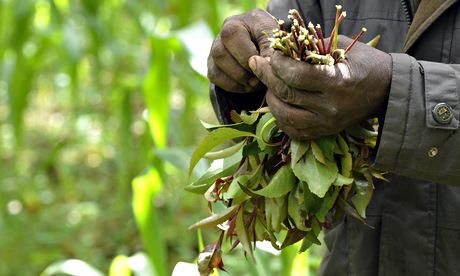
(416, 221)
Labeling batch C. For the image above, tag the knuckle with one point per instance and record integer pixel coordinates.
(230, 19)
(255, 13)
(230, 28)
(212, 73)
(332, 112)
(218, 50)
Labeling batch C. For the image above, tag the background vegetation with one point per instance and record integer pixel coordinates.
(100, 104)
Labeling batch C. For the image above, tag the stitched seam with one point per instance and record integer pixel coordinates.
(409, 94)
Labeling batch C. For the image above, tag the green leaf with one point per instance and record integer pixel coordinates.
(234, 190)
(379, 175)
(213, 139)
(262, 110)
(346, 162)
(342, 143)
(216, 219)
(327, 204)
(313, 238)
(319, 177)
(360, 132)
(346, 159)
(224, 153)
(211, 127)
(343, 181)
(306, 243)
(363, 196)
(244, 117)
(296, 208)
(298, 150)
(240, 188)
(311, 201)
(242, 234)
(218, 169)
(266, 128)
(349, 210)
(278, 212)
(318, 153)
(327, 144)
(251, 149)
(293, 236)
(281, 183)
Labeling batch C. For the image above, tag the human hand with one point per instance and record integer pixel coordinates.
(241, 37)
(310, 101)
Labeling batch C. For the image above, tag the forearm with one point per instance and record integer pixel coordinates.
(415, 141)
(224, 102)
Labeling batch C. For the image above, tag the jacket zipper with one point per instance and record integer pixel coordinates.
(405, 5)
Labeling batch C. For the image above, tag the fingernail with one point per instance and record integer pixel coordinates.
(253, 63)
(253, 81)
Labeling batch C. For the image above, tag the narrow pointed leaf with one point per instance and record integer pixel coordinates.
(361, 132)
(327, 145)
(216, 219)
(343, 181)
(213, 139)
(242, 234)
(244, 117)
(219, 168)
(266, 128)
(224, 153)
(327, 204)
(318, 153)
(362, 198)
(298, 150)
(293, 236)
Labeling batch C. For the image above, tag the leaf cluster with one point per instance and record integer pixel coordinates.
(277, 189)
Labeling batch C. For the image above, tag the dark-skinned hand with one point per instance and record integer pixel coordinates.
(241, 37)
(310, 101)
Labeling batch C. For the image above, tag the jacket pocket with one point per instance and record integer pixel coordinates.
(441, 96)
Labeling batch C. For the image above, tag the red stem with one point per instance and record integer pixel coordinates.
(339, 21)
(355, 40)
(321, 38)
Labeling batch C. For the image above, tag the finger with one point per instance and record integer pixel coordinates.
(291, 116)
(311, 100)
(305, 76)
(219, 78)
(237, 40)
(228, 64)
(261, 68)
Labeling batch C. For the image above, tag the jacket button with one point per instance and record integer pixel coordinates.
(433, 152)
(442, 113)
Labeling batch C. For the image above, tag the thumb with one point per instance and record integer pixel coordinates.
(265, 48)
(262, 69)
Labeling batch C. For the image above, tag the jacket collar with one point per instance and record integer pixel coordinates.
(427, 12)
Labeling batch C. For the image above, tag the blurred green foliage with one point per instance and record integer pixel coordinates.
(93, 94)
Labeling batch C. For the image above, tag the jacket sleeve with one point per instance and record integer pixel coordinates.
(420, 137)
(222, 101)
